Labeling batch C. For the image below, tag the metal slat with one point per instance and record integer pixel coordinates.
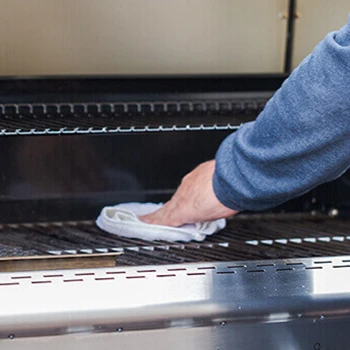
(82, 118)
(245, 237)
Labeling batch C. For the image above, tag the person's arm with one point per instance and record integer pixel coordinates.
(300, 140)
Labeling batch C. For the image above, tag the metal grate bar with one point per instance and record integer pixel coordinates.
(246, 237)
(118, 117)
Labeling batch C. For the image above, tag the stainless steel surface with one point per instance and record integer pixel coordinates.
(276, 304)
(303, 335)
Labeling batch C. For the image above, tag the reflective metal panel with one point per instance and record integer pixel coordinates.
(274, 304)
(302, 335)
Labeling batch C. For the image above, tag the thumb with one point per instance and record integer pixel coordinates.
(162, 217)
(156, 218)
(148, 219)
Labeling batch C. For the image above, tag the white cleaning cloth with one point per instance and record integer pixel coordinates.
(123, 220)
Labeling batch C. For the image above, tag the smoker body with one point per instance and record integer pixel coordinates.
(271, 280)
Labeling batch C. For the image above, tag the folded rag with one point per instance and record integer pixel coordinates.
(123, 220)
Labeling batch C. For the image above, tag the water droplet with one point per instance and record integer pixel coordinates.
(322, 317)
(239, 307)
(223, 323)
(11, 336)
(120, 329)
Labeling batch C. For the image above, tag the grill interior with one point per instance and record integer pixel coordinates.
(51, 178)
(246, 237)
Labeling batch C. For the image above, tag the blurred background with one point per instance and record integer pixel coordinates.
(64, 37)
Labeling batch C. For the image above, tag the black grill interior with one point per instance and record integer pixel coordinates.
(54, 178)
(246, 237)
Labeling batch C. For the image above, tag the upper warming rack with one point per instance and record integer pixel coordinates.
(121, 117)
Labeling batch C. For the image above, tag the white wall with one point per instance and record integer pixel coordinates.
(141, 36)
(317, 18)
(39, 37)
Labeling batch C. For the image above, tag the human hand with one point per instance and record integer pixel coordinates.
(194, 201)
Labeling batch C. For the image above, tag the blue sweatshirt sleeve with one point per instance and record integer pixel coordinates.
(300, 140)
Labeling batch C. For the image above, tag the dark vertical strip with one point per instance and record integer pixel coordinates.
(290, 36)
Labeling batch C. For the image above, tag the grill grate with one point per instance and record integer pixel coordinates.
(246, 237)
(85, 118)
